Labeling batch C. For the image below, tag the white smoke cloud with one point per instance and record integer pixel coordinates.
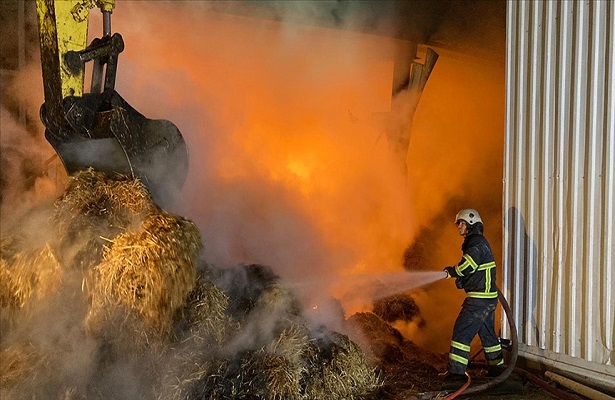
(259, 187)
(23, 180)
(217, 73)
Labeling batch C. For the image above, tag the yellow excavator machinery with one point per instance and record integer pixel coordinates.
(99, 129)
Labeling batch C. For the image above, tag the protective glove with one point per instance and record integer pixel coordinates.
(458, 283)
(450, 272)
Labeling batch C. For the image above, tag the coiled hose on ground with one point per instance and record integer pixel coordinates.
(465, 389)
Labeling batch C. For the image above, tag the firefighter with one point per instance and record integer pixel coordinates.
(475, 274)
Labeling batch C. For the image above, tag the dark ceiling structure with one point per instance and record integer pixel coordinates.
(461, 25)
(469, 26)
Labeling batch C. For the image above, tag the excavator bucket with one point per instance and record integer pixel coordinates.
(100, 129)
(104, 132)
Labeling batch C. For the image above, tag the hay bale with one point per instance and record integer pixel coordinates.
(251, 374)
(338, 369)
(271, 377)
(31, 370)
(94, 208)
(398, 307)
(205, 318)
(203, 322)
(201, 377)
(185, 366)
(95, 204)
(26, 273)
(259, 302)
(276, 299)
(218, 381)
(406, 366)
(292, 344)
(245, 284)
(380, 339)
(148, 271)
(285, 365)
(16, 362)
(91, 194)
(273, 371)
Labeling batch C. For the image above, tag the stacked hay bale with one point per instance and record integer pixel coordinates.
(379, 338)
(149, 270)
(93, 209)
(16, 362)
(25, 273)
(271, 353)
(284, 362)
(128, 262)
(407, 368)
(400, 307)
(273, 371)
(215, 334)
(28, 277)
(92, 197)
(202, 328)
(338, 369)
(205, 319)
(147, 260)
(239, 341)
(293, 366)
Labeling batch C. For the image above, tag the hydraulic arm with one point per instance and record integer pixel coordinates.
(99, 129)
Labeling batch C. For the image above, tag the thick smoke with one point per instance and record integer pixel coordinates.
(289, 165)
(27, 178)
(455, 161)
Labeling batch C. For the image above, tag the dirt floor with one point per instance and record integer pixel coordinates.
(410, 371)
(516, 387)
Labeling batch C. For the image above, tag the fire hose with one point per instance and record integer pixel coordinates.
(465, 389)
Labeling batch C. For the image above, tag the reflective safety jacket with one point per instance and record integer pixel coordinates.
(476, 270)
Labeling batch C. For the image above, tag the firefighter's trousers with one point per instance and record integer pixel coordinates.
(476, 316)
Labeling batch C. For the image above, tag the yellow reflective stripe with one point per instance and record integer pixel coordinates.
(469, 262)
(486, 266)
(487, 281)
(459, 359)
(493, 349)
(460, 268)
(460, 346)
(483, 295)
(496, 362)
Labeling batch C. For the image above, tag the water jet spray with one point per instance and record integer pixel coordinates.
(358, 291)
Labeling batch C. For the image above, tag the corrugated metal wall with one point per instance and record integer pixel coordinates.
(559, 182)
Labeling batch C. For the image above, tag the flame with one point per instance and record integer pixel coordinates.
(289, 161)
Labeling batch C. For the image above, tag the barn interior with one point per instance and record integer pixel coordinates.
(330, 144)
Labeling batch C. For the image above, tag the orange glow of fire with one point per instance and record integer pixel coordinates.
(283, 124)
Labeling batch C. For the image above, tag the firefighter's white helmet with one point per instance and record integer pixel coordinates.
(469, 215)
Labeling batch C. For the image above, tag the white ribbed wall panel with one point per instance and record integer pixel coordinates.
(559, 183)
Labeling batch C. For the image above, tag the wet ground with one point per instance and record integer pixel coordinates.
(514, 388)
(409, 370)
